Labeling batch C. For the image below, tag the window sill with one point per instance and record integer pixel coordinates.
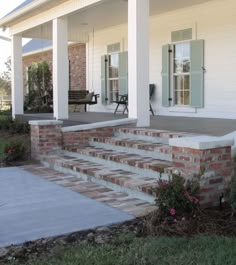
(182, 109)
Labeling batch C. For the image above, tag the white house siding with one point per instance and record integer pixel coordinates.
(215, 23)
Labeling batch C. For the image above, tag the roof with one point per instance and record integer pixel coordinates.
(36, 45)
(25, 3)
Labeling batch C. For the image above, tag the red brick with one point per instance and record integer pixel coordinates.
(216, 181)
(217, 151)
(225, 172)
(216, 166)
(205, 190)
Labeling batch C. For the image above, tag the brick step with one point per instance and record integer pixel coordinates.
(150, 135)
(116, 179)
(139, 147)
(144, 166)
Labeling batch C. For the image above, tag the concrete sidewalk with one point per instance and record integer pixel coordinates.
(32, 208)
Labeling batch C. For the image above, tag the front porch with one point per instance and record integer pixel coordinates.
(207, 126)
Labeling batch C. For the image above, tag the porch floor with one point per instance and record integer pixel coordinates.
(209, 126)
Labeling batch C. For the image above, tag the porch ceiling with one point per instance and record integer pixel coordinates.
(106, 14)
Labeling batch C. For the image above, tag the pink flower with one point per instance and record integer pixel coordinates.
(164, 183)
(172, 211)
(9, 152)
(175, 220)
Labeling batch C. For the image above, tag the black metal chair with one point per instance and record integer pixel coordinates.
(121, 100)
(151, 93)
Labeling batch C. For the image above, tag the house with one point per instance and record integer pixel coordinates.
(38, 50)
(185, 48)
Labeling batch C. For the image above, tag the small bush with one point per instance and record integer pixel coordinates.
(13, 126)
(176, 198)
(14, 151)
(233, 194)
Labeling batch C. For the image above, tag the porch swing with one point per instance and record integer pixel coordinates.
(83, 97)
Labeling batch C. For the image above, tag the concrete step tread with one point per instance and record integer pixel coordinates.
(133, 160)
(119, 177)
(137, 144)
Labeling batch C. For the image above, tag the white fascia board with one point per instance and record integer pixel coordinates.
(57, 11)
(30, 7)
(5, 38)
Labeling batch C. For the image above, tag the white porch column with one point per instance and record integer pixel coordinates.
(17, 76)
(60, 69)
(138, 50)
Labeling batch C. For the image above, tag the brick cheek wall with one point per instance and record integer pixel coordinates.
(212, 169)
(45, 139)
(77, 59)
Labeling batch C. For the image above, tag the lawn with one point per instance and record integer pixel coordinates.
(128, 250)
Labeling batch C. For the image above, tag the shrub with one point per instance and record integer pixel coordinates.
(233, 194)
(176, 198)
(14, 151)
(13, 126)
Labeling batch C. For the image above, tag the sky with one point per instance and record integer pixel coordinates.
(5, 52)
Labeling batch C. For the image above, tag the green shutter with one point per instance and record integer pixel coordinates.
(165, 75)
(103, 80)
(123, 73)
(197, 74)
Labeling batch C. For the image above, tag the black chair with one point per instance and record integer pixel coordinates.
(121, 100)
(151, 93)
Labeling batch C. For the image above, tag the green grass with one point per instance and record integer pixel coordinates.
(202, 250)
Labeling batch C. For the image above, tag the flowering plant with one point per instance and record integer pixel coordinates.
(176, 198)
(14, 151)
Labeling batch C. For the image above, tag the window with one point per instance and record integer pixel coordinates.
(183, 71)
(114, 74)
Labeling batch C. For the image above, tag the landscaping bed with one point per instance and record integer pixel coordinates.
(14, 141)
(207, 238)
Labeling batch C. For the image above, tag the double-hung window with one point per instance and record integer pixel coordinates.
(182, 71)
(114, 73)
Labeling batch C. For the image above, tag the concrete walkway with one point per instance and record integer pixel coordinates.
(32, 208)
(217, 127)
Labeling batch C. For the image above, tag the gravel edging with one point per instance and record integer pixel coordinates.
(47, 246)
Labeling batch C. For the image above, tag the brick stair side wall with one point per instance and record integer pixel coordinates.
(212, 169)
(45, 139)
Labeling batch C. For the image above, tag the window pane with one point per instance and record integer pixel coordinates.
(114, 60)
(113, 86)
(178, 51)
(186, 98)
(179, 83)
(186, 49)
(186, 83)
(186, 66)
(113, 72)
(178, 66)
(178, 98)
(113, 65)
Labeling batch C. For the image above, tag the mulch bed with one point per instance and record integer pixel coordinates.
(213, 221)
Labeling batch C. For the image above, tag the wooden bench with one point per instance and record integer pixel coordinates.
(82, 97)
